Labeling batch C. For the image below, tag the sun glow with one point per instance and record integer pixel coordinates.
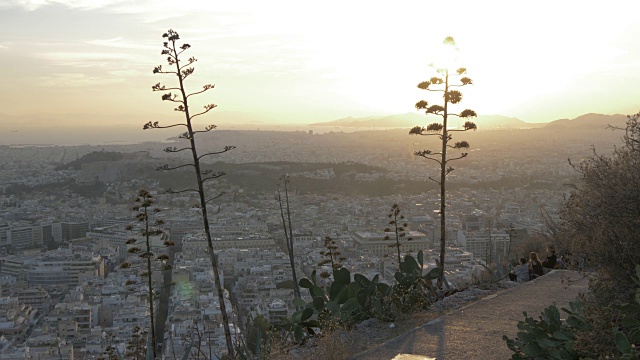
(289, 61)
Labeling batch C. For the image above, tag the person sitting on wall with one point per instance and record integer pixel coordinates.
(550, 262)
(521, 272)
(535, 266)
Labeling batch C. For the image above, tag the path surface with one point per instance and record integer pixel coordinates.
(475, 331)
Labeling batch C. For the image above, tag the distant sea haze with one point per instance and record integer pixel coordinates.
(18, 135)
(121, 135)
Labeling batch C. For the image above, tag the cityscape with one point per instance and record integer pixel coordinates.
(285, 180)
(67, 217)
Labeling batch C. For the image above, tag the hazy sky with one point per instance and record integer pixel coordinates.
(305, 61)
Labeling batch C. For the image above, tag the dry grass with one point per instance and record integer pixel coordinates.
(342, 344)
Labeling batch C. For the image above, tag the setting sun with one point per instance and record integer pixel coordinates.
(289, 62)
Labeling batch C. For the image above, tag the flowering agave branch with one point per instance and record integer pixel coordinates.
(182, 69)
(331, 256)
(450, 96)
(399, 229)
(288, 231)
(144, 208)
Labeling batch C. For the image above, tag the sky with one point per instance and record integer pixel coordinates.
(89, 62)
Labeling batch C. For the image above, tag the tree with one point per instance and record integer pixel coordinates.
(288, 231)
(182, 71)
(398, 229)
(602, 216)
(442, 131)
(144, 209)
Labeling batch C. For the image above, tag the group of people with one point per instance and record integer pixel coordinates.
(534, 267)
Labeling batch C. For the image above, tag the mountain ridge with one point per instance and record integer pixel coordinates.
(406, 120)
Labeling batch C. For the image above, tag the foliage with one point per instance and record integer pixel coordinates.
(602, 217)
(615, 327)
(609, 332)
(95, 156)
(451, 96)
(398, 228)
(136, 347)
(347, 301)
(183, 69)
(145, 209)
(414, 289)
(549, 337)
(627, 333)
(110, 353)
(256, 338)
(331, 256)
(288, 230)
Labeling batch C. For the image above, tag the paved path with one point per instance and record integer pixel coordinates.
(475, 331)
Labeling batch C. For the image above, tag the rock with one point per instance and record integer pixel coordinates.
(311, 342)
(367, 323)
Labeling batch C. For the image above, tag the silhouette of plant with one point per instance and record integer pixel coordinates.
(398, 229)
(182, 70)
(137, 345)
(443, 132)
(288, 231)
(144, 208)
(348, 300)
(331, 256)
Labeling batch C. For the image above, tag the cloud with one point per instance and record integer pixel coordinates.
(121, 43)
(32, 5)
(104, 60)
(76, 80)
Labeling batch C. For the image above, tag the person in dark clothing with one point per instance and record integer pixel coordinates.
(535, 266)
(552, 259)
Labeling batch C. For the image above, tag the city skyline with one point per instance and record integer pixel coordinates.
(87, 63)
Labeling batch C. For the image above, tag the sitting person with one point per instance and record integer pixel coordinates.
(535, 266)
(521, 272)
(550, 262)
(560, 263)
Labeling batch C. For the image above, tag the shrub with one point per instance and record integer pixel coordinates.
(346, 302)
(549, 337)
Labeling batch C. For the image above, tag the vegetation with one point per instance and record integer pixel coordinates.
(549, 337)
(145, 209)
(602, 219)
(442, 131)
(95, 156)
(398, 228)
(288, 231)
(331, 256)
(581, 335)
(348, 300)
(182, 70)
(602, 216)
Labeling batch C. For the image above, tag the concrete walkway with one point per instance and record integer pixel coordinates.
(475, 331)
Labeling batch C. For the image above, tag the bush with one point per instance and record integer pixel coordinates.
(590, 331)
(549, 337)
(347, 301)
(602, 217)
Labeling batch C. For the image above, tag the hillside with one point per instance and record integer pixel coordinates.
(409, 120)
(96, 156)
(590, 121)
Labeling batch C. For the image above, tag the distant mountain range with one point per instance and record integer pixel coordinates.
(590, 121)
(484, 122)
